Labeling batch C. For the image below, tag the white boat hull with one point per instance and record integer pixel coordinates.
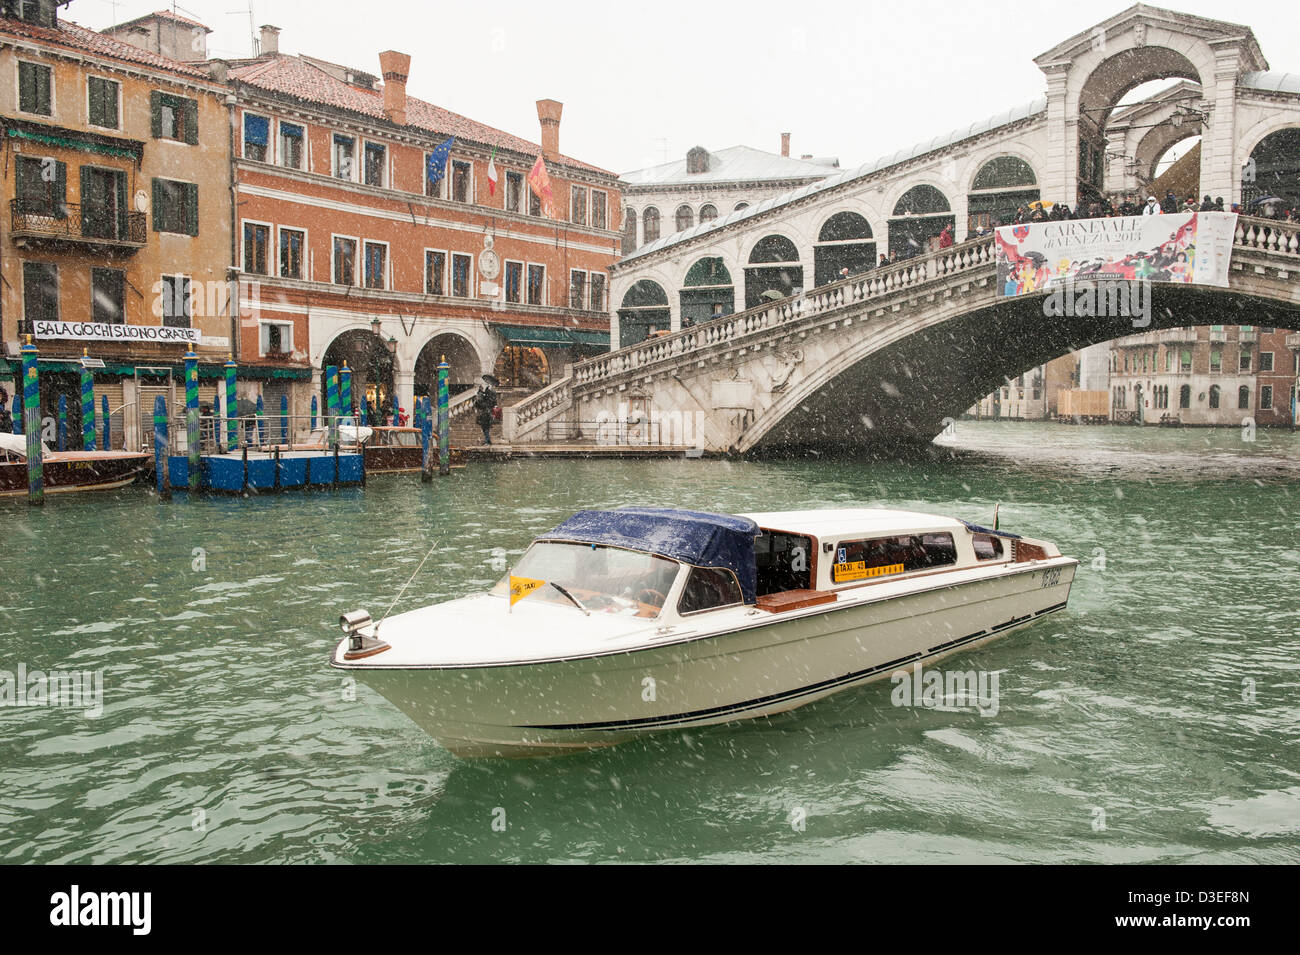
(749, 663)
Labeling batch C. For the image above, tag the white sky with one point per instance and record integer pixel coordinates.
(643, 82)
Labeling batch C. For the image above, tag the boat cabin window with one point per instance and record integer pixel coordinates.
(883, 556)
(783, 561)
(988, 547)
(709, 588)
(605, 579)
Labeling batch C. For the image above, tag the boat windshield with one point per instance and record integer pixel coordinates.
(605, 579)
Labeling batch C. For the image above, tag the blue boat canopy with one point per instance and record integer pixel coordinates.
(693, 537)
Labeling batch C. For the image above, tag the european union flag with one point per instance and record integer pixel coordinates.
(436, 166)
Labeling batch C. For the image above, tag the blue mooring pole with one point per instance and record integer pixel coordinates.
(426, 438)
(108, 428)
(160, 461)
(345, 391)
(32, 426)
(192, 417)
(261, 423)
(444, 432)
(232, 422)
(313, 412)
(87, 407)
(18, 409)
(365, 411)
(284, 420)
(332, 404)
(63, 423)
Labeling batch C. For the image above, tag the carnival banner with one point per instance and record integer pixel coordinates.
(1192, 248)
(115, 332)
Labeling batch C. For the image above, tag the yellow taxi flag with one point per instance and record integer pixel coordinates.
(521, 587)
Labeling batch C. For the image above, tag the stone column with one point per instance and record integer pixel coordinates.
(1220, 171)
(1060, 178)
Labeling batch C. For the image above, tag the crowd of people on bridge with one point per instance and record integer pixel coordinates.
(1132, 205)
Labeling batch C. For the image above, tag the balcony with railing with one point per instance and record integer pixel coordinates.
(83, 226)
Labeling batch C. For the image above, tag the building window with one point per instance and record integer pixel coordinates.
(257, 240)
(345, 261)
(1243, 397)
(460, 275)
(1184, 360)
(41, 186)
(40, 291)
(175, 118)
(1266, 361)
(344, 154)
(376, 264)
(102, 102)
(1185, 396)
(708, 212)
(175, 207)
(276, 338)
(577, 288)
(514, 282)
(534, 203)
(1216, 361)
(1214, 396)
(103, 203)
(35, 85)
(176, 301)
(649, 225)
(599, 209)
(292, 242)
(107, 299)
(685, 218)
(514, 191)
(578, 205)
(597, 291)
(1265, 397)
(291, 145)
(536, 285)
(257, 136)
(1245, 361)
(740, 205)
(435, 270)
(376, 157)
(461, 181)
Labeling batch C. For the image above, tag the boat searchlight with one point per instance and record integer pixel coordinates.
(350, 623)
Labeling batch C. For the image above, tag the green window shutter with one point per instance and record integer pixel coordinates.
(110, 104)
(155, 109)
(26, 88)
(95, 99)
(191, 208)
(122, 229)
(192, 124)
(60, 190)
(44, 82)
(157, 204)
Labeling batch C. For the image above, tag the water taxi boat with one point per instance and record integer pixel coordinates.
(639, 620)
(65, 471)
(394, 450)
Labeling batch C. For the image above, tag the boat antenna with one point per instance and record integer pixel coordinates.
(403, 590)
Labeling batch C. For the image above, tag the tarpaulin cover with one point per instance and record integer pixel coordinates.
(693, 537)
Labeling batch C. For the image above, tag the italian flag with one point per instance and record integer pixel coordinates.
(492, 173)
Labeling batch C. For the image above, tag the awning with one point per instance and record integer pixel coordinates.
(75, 139)
(543, 336)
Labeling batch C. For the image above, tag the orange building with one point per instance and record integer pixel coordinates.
(359, 255)
(116, 231)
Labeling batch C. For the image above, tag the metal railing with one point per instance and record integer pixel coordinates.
(68, 220)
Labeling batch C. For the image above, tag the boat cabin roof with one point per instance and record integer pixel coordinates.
(855, 522)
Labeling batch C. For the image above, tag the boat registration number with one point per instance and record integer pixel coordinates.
(1051, 578)
(858, 570)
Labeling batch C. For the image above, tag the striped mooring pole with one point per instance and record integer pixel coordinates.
(365, 411)
(261, 423)
(160, 461)
(63, 423)
(314, 408)
(332, 403)
(32, 425)
(87, 406)
(232, 423)
(345, 391)
(192, 417)
(18, 409)
(426, 438)
(108, 428)
(444, 432)
(284, 420)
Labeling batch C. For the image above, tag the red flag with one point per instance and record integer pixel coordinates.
(540, 183)
(492, 173)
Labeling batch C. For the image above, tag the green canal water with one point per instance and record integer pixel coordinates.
(1158, 719)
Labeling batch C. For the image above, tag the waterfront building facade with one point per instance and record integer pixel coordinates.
(116, 232)
(361, 255)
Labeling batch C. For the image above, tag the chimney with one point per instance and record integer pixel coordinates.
(785, 144)
(395, 67)
(548, 114)
(270, 41)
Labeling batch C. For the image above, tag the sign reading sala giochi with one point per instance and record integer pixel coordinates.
(115, 332)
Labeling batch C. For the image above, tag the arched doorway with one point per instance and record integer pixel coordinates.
(644, 308)
(774, 271)
(919, 215)
(708, 291)
(372, 368)
(845, 242)
(1001, 186)
(462, 359)
(523, 366)
(1272, 170)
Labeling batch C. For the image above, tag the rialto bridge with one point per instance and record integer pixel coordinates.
(767, 343)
